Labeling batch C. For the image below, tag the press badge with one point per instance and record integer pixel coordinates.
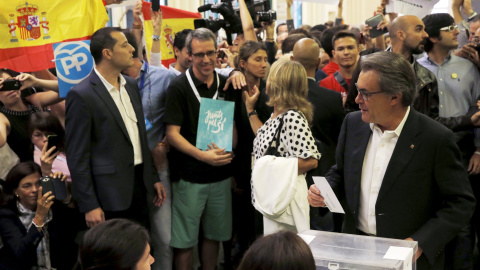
(148, 125)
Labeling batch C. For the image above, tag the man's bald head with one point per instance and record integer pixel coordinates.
(408, 36)
(400, 24)
(306, 51)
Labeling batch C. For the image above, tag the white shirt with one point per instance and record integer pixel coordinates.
(125, 107)
(377, 156)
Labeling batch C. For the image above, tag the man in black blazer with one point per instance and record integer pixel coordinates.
(106, 144)
(327, 104)
(399, 171)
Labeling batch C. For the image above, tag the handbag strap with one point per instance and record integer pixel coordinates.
(272, 150)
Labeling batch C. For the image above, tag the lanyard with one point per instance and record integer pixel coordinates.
(195, 91)
(142, 79)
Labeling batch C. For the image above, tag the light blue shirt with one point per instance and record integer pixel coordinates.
(156, 82)
(458, 86)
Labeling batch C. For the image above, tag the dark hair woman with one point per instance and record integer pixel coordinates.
(25, 220)
(117, 244)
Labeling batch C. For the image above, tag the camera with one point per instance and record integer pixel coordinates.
(56, 186)
(11, 84)
(266, 16)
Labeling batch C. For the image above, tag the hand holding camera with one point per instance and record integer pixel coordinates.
(54, 185)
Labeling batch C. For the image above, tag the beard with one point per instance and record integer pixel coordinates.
(420, 48)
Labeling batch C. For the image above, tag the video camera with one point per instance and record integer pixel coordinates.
(259, 10)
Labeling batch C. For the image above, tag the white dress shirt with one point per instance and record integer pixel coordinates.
(377, 156)
(125, 107)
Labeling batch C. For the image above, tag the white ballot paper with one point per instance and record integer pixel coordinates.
(401, 253)
(307, 238)
(327, 193)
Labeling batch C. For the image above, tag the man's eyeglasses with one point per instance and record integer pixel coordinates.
(201, 55)
(450, 28)
(364, 94)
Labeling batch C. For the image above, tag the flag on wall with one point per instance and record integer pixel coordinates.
(174, 20)
(29, 28)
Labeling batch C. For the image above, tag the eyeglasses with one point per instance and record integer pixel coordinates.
(450, 28)
(201, 55)
(364, 94)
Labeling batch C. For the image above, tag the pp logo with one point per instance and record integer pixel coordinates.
(73, 62)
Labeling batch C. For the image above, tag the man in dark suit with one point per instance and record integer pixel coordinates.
(399, 171)
(327, 104)
(106, 144)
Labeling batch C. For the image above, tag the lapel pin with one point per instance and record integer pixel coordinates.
(454, 75)
(411, 146)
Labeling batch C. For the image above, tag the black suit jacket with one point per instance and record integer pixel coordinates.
(98, 147)
(328, 114)
(425, 193)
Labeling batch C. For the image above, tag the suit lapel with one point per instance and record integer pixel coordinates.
(362, 136)
(99, 88)
(405, 148)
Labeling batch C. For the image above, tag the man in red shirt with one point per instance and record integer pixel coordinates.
(345, 52)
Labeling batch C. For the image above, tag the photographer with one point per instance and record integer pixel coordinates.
(16, 109)
(26, 223)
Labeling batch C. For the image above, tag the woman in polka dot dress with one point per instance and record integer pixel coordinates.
(287, 89)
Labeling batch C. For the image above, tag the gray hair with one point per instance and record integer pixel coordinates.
(396, 74)
(202, 34)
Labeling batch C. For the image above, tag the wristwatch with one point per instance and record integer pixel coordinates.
(472, 16)
(155, 37)
(254, 112)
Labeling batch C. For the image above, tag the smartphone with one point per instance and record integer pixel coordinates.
(156, 5)
(47, 185)
(52, 141)
(11, 84)
(56, 186)
(373, 22)
(477, 48)
(221, 54)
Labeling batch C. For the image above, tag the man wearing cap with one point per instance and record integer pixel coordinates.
(458, 88)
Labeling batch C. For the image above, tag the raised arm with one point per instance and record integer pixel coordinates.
(247, 22)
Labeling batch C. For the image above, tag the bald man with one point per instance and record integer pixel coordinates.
(408, 38)
(328, 109)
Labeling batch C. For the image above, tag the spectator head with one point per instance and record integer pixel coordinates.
(474, 26)
(327, 37)
(289, 42)
(408, 36)
(329, 24)
(438, 28)
(280, 251)
(287, 87)
(43, 124)
(110, 44)
(300, 31)
(345, 49)
(316, 35)
(388, 42)
(132, 41)
(281, 38)
(202, 49)
(282, 28)
(237, 43)
(324, 59)
(252, 59)
(305, 27)
(180, 50)
(115, 244)
(392, 77)
(319, 27)
(476, 37)
(22, 183)
(307, 52)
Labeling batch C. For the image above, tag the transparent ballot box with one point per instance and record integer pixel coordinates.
(338, 251)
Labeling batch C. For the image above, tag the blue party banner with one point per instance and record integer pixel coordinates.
(215, 124)
(73, 62)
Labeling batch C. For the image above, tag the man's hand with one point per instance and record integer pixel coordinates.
(314, 197)
(157, 21)
(94, 217)
(159, 154)
(237, 79)
(476, 119)
(216, 156)
(474, 164)
(469, 52)
(160, 194)
(419, 250)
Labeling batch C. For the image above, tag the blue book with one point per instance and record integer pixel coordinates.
(215, 124)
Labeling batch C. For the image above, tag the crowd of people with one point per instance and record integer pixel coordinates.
(391, 122)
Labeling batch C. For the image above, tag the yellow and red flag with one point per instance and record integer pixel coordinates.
(174, 20)
(29, 28)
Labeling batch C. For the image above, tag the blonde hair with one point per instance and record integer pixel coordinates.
(287, 87)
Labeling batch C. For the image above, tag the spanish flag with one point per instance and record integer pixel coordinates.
(30, 27)
(174, 20)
